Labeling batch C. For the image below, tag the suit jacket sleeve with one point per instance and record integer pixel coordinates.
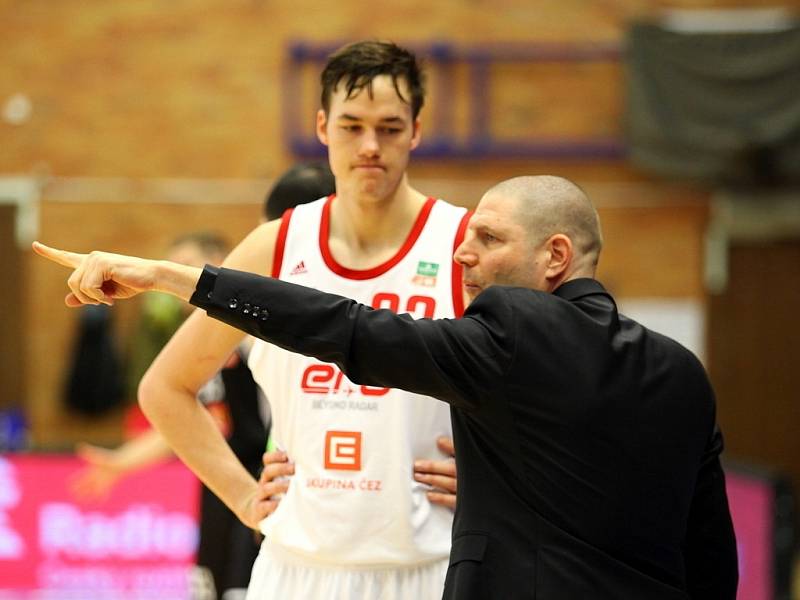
(459, 361)
(711, 557)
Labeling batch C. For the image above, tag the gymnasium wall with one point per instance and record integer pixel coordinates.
(192, 88)
(631, 266)
(145, 120)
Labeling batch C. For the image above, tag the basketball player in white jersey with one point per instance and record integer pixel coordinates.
(353, 523)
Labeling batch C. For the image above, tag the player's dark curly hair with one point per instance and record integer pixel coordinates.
(357, 64)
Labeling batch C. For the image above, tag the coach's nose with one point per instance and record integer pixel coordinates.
(465, 255)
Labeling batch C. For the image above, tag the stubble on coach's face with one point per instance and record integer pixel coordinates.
(498, 250)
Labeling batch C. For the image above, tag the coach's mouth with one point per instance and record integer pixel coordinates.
(473, 289)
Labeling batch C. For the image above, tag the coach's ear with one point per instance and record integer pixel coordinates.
(322, 127)
(559, 256)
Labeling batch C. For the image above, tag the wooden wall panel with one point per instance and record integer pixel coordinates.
(11, 309)
(654, 252)
(754, 357)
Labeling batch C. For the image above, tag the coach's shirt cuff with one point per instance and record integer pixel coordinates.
(204, 290)
(236, 297)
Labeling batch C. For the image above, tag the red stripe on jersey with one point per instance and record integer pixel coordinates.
(360, 274)
(457, 270)
(280, 243)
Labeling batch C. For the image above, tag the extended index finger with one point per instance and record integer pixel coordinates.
(62, 257)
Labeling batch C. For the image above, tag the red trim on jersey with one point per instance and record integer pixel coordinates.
(324, 233)
(457, 270)
(280, 243)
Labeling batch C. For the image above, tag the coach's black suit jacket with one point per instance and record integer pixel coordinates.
(588, 458)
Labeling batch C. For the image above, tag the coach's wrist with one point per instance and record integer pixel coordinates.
(175, 279)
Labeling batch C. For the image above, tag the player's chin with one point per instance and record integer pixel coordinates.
(373, 188)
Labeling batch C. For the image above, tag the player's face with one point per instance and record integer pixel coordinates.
(369, 138)
(497, 249)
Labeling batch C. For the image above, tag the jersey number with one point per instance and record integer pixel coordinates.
(327, 379)
(417, 306)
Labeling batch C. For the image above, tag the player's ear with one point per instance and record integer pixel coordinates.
(416, 136)
(322, 127)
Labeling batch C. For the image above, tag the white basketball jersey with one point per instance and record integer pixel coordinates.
(353, 499)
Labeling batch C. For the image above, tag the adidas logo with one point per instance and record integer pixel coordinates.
(299, 269)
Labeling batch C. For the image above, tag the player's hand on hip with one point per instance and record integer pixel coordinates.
(255, 508)
(274, 479)
(101, 277)
(439, 474)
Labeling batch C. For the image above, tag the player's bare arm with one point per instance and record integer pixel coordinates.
(105, 467)
(198, 350)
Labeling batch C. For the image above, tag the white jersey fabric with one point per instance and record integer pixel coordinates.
(353, 500)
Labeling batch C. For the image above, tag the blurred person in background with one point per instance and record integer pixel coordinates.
(226, 548)
(300, 184)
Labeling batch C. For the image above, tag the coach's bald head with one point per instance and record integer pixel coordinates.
(547, 205)
(536, 231)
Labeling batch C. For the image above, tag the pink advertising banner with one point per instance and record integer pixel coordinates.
(752, 501)
(138, 542)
